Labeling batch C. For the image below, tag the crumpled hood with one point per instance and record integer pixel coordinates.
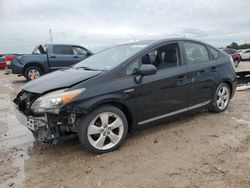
(59, 79)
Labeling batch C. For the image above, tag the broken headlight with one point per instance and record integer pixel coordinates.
(51, 102)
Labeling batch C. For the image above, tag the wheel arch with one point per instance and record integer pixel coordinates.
(118, 104)
(33, 64)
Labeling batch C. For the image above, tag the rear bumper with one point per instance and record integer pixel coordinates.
(15, 66)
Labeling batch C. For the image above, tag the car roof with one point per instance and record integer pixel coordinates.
(159, 41)
(63, 44)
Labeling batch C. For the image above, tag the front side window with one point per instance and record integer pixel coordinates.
(79, 51)
(163, 57)
(166, 56)
(63, 49)
(195, 53)
(133, 67)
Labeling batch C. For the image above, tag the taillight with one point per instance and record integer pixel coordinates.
(9, 58)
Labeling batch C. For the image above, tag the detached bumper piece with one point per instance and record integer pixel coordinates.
(243, 77)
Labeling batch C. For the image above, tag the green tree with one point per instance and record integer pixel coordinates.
(234, 45)
(244, 46)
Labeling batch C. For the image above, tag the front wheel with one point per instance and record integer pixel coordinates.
(103, 130)
(221, 98)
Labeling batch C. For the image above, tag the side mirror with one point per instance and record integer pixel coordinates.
(147, 69)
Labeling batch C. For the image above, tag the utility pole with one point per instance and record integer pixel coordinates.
(50, 34)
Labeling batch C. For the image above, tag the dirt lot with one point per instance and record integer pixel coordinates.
(205, 150)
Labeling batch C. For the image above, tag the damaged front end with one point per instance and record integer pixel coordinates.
(48, 117)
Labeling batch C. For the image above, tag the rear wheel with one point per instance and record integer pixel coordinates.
(32, 73)
(221, 98)
(103, 130)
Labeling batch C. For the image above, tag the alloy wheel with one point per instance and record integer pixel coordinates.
(105, 131)
(223, 97)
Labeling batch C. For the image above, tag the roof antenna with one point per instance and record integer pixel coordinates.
(50, 36)
(184, 36)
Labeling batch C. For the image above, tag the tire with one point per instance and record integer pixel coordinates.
(221, 98)
(32, 70)
(96, 133)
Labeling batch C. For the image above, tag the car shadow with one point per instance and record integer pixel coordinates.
(19, 81)
(74, 145)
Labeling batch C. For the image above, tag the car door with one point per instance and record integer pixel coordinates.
(79, 53)
(165, 93)
(246, 55)
(201, 73)
(61, 56)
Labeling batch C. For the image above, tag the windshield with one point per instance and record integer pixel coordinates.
(111, 57)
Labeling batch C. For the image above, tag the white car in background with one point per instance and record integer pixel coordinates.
(245, 54)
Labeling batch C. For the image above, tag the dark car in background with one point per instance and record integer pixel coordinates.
(126, 88)
(234, 54)
(45, 59)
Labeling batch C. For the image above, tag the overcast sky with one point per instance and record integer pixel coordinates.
(98, 23)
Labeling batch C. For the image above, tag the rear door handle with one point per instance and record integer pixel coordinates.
(52, 56)
(200, 72)
(213, 69)
(75, 57)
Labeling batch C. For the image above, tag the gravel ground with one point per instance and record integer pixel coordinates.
(204, 150)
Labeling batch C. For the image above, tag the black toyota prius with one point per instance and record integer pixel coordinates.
(126, 88)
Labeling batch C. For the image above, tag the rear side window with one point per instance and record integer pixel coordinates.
(248, 51)
(214, 52)
(196, 53)
(63, 49)
(79, 51)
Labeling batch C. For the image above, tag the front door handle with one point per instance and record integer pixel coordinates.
(52, 56)
(181, 78)
(200, 72)
(75, 57)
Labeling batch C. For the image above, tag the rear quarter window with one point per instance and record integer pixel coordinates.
(215, 53)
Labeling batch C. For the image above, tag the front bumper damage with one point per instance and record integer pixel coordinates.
(47, 127)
